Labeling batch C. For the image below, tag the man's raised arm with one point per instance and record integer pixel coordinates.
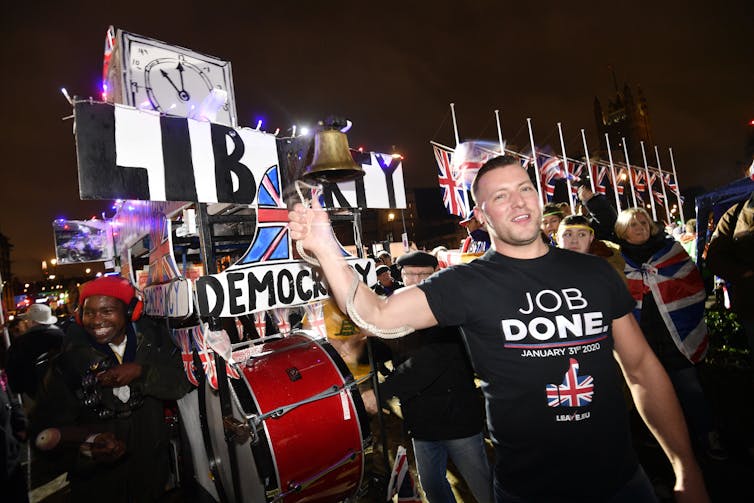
(407, 307)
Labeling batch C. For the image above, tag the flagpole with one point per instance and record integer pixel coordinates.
(588, 164)
(630, 173)
(649, 182)
(662, 182)
(455, 124)
(537, 174)
(565, 163)
(499, 132)
(612, 171)
(677, 185)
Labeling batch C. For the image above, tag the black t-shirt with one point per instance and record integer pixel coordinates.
(539, 335)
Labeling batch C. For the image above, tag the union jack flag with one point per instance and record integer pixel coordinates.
(599, 175)
(184, 340)
(576, 391)
(107, 53)
(551, 170)
(671, 184)
(621, 176)
(401, 481)
(651, 180)
(315, 317)
(260, 323)
(271, 240)
(193, 337)
(659, 197)
(280, 315)
(162, 266)
(453, 190)
(639, 180)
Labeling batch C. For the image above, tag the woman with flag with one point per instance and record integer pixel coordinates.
(670, 297)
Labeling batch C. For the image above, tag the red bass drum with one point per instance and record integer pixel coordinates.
(311, 426)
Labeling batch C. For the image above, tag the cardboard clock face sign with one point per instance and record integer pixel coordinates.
(173, 80)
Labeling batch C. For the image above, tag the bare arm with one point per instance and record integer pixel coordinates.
(407, 307)
(658, 405)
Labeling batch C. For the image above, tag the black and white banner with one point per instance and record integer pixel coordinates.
(127, 153)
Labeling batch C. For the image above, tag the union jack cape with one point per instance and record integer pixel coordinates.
(677, 287)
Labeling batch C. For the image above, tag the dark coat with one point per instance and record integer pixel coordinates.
(141, 473)
(731, 255)
(434, 382)
(12, 421)
(28, 356)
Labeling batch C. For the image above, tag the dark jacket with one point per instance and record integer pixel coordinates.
(141, 473)
(12, 421)
(434, 382)
(28, 357)
(602, 216)
(731, 255)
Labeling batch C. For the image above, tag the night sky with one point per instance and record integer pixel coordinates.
(392, 68)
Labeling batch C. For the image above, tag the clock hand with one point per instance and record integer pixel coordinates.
(182, 94)
(180, 72)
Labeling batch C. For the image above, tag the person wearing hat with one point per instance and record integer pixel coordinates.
(442, 408)
(383, 257)
(29, 353)
(104, 394)
(478, 239)
(386, 284)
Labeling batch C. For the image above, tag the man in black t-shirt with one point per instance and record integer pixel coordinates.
(541, 325)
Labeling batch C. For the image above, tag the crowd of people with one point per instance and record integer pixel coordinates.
(563, 327)
(541, 325)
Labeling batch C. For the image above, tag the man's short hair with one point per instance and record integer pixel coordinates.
(417, 259)
(494, 163)
(576, 220)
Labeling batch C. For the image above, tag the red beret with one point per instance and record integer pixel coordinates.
(110, 286)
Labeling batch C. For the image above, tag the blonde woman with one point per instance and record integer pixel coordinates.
(670, 296)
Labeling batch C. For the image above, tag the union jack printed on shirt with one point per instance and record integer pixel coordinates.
(272, 240)
(576, 390)
(453, 189)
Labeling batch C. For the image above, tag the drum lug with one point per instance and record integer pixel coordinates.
(237, 430)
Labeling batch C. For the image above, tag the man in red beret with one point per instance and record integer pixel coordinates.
(104, 394)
